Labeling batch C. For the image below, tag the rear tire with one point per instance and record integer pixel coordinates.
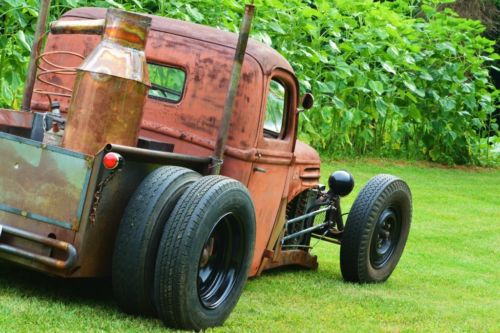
(205, 254)
(376, 230)
(139, 235)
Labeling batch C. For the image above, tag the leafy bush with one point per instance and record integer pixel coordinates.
(15, 44)
(386, 81)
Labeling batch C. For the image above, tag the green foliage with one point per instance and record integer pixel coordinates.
(399, 85)
(387, 81)
(14, 48)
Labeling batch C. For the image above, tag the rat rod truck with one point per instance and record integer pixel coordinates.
(165, 154)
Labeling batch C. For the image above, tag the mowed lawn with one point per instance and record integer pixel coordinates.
(448, 279)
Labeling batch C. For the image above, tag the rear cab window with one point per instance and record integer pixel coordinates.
(167, 83)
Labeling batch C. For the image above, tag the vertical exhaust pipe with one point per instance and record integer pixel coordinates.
(31, 74)
(239, 55)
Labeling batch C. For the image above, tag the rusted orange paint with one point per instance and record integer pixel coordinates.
(16, 119)
(206, 55)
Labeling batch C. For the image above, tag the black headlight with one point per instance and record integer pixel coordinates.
(341, 183)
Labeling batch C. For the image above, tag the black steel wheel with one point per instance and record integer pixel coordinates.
(205, 254)
(220, 261)
(376, 230)
(139, 235)
(385, 237)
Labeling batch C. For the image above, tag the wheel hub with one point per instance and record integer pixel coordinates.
(220, 262)
(207, 252)
(385, 237)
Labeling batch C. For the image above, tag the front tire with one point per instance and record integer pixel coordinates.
(376, 230)
(205, 254)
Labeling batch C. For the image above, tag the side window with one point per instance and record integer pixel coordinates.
(274, 122)
(167, 83)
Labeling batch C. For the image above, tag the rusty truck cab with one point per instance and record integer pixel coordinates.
(189, 67)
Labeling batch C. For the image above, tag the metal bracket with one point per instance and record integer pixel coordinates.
(215, 162)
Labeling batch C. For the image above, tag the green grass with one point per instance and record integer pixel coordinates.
(448, 279)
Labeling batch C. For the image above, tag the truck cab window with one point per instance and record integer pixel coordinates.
(167, 83)
(275, 110)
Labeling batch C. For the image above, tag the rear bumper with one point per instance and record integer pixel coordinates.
(24, 256)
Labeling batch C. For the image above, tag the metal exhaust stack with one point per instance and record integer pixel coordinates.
(31, 74)
(239, 55)
(111, 84)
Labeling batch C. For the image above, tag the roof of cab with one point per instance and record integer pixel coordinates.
(267, 57)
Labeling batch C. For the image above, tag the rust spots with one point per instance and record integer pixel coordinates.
(202, 123)
(212, 75)
(208, 122)
(247, 77)
(213, 71)
(207, 61)
(199, 73)
(56, 80)
(223, 83)
(217, 104)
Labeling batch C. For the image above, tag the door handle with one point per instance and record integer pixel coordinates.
(259, 169)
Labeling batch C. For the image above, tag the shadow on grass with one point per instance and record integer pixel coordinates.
(27, 283)
(322, 274)
(291, 269)
(97, 292)
(88, 294)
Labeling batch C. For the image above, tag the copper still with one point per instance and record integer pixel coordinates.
(111, 84)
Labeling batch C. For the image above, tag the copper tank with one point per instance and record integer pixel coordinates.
(110, 87)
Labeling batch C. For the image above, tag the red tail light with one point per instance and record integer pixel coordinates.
(112, 161)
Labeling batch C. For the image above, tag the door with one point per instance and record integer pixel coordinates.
(268, 180)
